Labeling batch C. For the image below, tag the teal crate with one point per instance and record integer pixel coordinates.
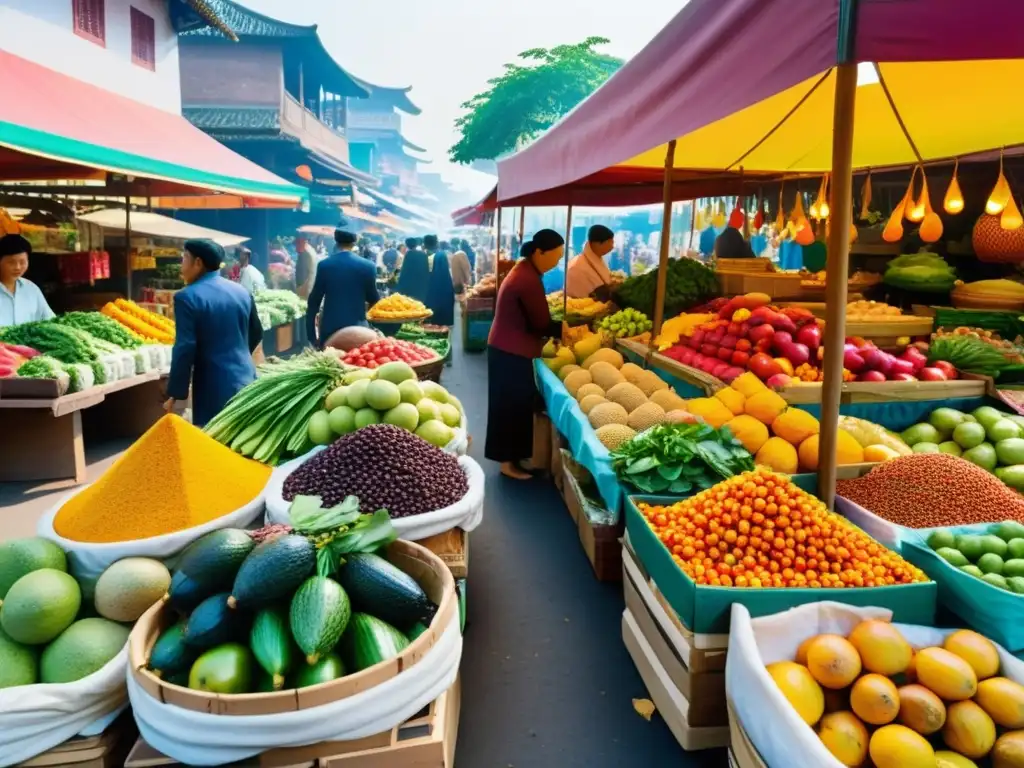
(994, 612)
(706, 610)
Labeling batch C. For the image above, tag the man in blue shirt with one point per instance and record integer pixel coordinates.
(21, 301)
(346, 285)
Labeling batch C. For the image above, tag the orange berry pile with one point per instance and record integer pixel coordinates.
(758, 529)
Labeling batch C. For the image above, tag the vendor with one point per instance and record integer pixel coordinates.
(731, 245)
(588, 274)
(216, 331)
(522, 320)
(21, 301)
(250, 277)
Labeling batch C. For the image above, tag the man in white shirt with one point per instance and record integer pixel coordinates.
(587, 273)
(21, 301)
(250, 278)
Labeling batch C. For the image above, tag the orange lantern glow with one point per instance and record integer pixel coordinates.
(1000, 194)
(304, 172)
(953, 203)
(1010, 219)
(919, 208)
(819, 208)
(865, 198)
(893, 231)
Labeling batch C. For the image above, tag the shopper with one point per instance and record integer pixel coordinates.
(440, 292)
(521, 322)
(415, 274)
(462, 272)
(21, 301)
(249, 276)
(346, 285)
(217, 330)
(588, 274)
(731, 245)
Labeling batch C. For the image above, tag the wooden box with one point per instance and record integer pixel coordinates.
(453, 548)
(420, 563)
(601, 544)
(540, 460)
(558, 444)
(703, 690)
(285, 338)
(105, 750)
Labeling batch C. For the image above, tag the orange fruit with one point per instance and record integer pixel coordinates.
(921, 710)
(833, 661)
(881, 647)
(946, 674)
(969, 730)
(845, 737)
(875, 699)
(800, 689)
(896, 746)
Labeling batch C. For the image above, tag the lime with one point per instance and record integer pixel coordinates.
(926, 448)
(992, 543)
(983, 455)
(1004, 429)
(952, 556)
(1016, 584)
(969, 434)
(945, 419)
(971, 546)
(921, 433)
(1015, 548)
(950, 447)
(1009, 530)
(973, 570)
(1013, 567)
(995, 580)
(941, 538)
(990, 563)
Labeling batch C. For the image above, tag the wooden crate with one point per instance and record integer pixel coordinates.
(427, 740)
(887, 392)
(558, 443)
(778, 285)
(105, 750)
(671, 704)
(452, 547)
(703, 690)
(600, 542)
(540, 460)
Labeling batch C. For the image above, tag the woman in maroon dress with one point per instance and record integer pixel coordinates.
(521, 323)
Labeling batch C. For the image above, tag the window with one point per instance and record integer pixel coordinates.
(90, 20)
(143, 40)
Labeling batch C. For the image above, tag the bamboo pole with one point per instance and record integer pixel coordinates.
(497, 249)
(836, 276)
(565, 263)
(128, 242)
(522, 223)
(666, 233)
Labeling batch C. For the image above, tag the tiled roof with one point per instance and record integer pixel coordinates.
(220, 119)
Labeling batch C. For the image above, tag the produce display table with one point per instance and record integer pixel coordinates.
(686, 380)
(43, 438)
(887, 392)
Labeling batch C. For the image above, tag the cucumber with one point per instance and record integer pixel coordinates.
(381, 589)
(272, 645)
(319, 613)
(170, 655)
(369, 641)
(213, 623)
(273, 571)
(327, 669)
(418, 629)
(264, 682)
(214, 559)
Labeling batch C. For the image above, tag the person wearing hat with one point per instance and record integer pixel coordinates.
(346, 286)
(250, 277)
(414, 276)
(21, 301)
(216, 331)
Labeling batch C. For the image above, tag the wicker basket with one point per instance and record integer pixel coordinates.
(963, 300)
(430, 370)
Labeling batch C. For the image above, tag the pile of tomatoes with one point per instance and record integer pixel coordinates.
(374, 354)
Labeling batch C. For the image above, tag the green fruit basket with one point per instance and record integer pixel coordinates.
(986, 606)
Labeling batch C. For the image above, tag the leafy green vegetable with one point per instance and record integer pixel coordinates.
(688, 283)
(921, 271)
(679, 458)
(67, 344)
(101, 327)
(968, 354)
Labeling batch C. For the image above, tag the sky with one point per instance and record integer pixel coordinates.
(448, 49)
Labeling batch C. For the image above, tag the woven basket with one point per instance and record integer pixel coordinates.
(430, 370)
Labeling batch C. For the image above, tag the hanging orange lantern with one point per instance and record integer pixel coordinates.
(1000, 194)
(758, 218)
(908, 197)
(1010, 219)
(893, 231)
(865, 198)
(819, 208)
(737, 217)
(919, 208)
(780, 218)
(953, 203)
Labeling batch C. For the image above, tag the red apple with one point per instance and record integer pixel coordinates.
(871, 376)
(931, 374)
(761, 332)
(729, 341)
(947, 368)
(903, 376)
(709, 350)
(740, 358)
(724, 353)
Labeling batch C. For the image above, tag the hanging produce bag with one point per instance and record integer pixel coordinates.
(781, 737)
(467, 513)
(37, 718)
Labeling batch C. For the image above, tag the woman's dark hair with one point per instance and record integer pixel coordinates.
(527, 250)
(731, 245)
(547, 240)
(11, 245)
(412, 242)
(599, 233)
(207, 251)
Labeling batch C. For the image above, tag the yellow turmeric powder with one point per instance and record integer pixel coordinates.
(172, 478)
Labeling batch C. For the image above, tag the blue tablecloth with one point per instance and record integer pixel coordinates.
(570, 421)
(791, 255)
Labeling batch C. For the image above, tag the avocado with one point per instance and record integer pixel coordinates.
(273, 571)
(1006, 531)
(381, 589)
(185, 593)
(171, 655)
(21, 556)
(82, 649)
(951, 556)
(319, 613)
(19, 664)
(39, 606)
(214, 559)
(227, 668)
(326, 669)
(213, 623)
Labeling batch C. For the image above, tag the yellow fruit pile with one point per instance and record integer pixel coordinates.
(584, 308)
(678, 327)
(872, 310)
(779, 436)
(870, 695)
(398, 307)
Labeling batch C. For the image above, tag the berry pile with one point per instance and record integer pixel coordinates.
(758, 529)
(386, 467)
(374, 354)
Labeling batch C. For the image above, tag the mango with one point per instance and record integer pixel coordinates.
(779, 455)
(794, 425)
(733, 399)
(748, 385)
(765, 406)
(711, 410)
(749, 431)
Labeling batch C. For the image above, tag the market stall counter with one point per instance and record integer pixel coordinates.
(44, 437)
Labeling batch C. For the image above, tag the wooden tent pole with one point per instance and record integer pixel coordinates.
(497, 248)
(666, 233)
(522, 223)
(128, 242)
(565, 264)
(836, 275)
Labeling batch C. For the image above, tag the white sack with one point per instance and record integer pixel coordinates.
(86, 560)
(37, 718)
(783, 739)
(198, 738)
(467, 513)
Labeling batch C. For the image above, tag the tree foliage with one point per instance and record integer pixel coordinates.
(529, 97)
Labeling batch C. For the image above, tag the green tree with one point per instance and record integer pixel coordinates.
(529, 97)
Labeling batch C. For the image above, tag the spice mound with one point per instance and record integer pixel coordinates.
(387, 467)
(171, 479)
(927, 490)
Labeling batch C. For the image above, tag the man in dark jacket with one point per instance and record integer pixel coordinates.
(346, 285)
